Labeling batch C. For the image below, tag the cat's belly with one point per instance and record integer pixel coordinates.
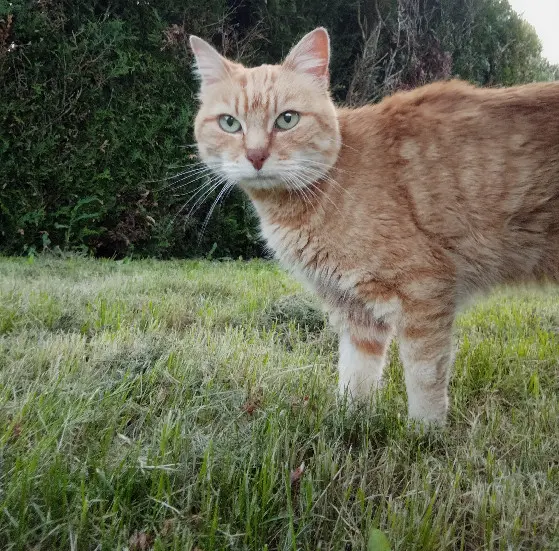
(349, 311)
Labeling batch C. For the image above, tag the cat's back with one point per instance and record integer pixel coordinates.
(473, 170)
(448, 123)
(455, 135)
(444, 105)
(448, 96)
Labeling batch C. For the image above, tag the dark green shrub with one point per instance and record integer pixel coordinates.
(97, 104)
(97, 100)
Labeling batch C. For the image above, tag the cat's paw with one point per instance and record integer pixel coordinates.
(359, 392)
(429, 414)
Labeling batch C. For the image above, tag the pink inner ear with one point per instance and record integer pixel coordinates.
(320, 50)
(311, 54)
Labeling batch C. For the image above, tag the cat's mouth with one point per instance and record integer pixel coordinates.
(261, 177)
(262, 181)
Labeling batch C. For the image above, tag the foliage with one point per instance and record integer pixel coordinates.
(411, 42)
(97, 103)
(145, 405)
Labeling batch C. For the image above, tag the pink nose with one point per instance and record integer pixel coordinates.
(257, 157)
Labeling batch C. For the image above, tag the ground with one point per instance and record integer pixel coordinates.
(192, 406)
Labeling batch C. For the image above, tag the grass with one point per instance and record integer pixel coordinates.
(172, 405)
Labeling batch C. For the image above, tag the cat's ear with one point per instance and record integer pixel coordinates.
(311, 56)
(210, 65)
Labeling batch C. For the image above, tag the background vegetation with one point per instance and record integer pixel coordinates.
(97, 100)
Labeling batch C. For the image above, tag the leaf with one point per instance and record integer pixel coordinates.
(140, 541)
(534, 385)
(91, 216)
(169, 526)
(254, 402)
(87, 200)
(377, 541)
(16, 430)
(297, 473)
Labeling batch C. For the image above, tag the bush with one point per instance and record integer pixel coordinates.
(98, 100)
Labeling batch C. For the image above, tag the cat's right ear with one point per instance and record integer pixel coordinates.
(211, 67)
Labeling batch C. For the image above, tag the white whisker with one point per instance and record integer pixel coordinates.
(181, 176)
(200, 193)
(300, 187)
(190, 179)
(213, 186)
(319, 175)
(228, 186)
(195, 191)
(296, 187)
(341, 143)
(328, 166)
(311, 184)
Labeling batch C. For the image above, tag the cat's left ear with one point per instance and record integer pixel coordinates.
(210, 65)
(311, 56)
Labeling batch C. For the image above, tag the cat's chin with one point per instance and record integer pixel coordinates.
(263, 183)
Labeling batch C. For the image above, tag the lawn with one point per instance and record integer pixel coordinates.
(192, 406)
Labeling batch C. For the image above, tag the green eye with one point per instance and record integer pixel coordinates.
(287, 120)
(229, 124)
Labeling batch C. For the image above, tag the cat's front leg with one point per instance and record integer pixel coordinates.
(362, 360)
(425, 342)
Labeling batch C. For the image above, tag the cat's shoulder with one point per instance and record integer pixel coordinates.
(444, 95)
(439, 95)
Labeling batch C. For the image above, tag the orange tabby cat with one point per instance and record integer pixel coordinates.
(393, 213)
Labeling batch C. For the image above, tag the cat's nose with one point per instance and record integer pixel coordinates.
(257, 156)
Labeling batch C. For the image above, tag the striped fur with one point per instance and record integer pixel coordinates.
(396, 213)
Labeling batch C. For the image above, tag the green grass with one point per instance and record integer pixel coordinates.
(167, 405)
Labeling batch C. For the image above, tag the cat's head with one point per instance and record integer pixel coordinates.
(269, 126)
